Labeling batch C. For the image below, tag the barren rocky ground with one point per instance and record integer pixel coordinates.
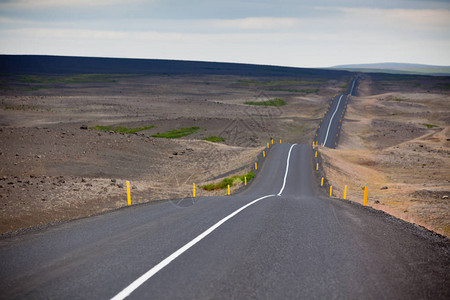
(53, 170)
(396, 138)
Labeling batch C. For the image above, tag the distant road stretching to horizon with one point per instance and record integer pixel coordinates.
(281, 238)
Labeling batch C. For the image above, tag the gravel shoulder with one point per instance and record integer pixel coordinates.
(396, 139)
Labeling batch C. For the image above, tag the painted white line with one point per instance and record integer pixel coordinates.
(149, 274)
(351, 91)
(138, 282)
(287, 169)
(331, 120)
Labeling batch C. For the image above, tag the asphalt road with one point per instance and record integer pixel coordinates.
(331, 123)
(278, 239)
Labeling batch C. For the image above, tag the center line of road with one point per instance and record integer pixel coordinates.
(353, 85)
(287, 169)
(138, 282)
(149, 274)
(331, 120)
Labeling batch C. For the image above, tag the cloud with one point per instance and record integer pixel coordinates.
(33, 4)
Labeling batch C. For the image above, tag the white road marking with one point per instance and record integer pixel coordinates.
(331, 120)
(351, 91)
(138, 282)
(287, 169)
(149, 274)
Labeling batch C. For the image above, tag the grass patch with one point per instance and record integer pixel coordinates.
(429, 126)
(274, 102)
(66, 79)
(303, 91)
(214, 139)
(228, 181)
(398, 99)
(250, 175)
(270, 83)
(177, 133)
(121, 129)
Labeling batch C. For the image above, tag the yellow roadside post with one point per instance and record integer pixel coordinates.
(267, 145)
(317, 143)
(280, 141)
(264, 153)
(128, 193)
(331, 190)
(321, 182)
(193, 190)
(228, 190)
(245, 180)
(256, 166)
(317, 166)
(345, 192)
(272, 141)
(366, 191)
(313, 145)
(315, 155)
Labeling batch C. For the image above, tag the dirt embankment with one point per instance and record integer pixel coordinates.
(398, 142)
(52, 170)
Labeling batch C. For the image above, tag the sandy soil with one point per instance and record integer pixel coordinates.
(52, 170)
(384, 143)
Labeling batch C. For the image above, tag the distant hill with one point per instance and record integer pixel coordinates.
(42, 64)
(397, 68)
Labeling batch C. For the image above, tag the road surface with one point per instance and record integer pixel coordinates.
(278, 239)
(331, 123)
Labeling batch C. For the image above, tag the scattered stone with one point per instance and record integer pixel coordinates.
(445, 197)
(88, 184)
(377, 202)
(170, 156)
(37, 156)
(175, 153)
(84, 127)
(120, 185)
(134, 187)
(43, 199)
(113, 180)
(83, 180)
(384, 188)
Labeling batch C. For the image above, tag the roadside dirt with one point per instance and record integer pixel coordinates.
(385, 142)
(52, 170)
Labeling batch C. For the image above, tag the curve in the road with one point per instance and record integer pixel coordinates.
(149, 274)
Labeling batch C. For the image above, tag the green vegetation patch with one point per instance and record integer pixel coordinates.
(177, 133)
(274, 102)
(303, 91)
(121, 129)
(398, 99)
(67, 79)
(429, 125)
(228, 182)
(214, 139)
(269, 83)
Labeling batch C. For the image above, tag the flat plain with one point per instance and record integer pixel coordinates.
(56, 165)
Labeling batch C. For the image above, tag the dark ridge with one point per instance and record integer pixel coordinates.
(56, 65)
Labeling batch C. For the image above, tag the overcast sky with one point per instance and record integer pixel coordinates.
(317, 33)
